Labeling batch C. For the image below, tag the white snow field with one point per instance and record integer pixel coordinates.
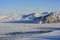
(17, 27)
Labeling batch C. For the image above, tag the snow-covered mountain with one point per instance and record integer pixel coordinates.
(51, 17)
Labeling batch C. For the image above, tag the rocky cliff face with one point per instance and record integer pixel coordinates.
(55, 18)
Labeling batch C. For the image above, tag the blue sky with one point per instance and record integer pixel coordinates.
(28, 6)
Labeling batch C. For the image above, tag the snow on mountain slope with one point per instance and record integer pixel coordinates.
(46, 17)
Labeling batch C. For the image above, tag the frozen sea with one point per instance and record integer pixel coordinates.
(19, 31)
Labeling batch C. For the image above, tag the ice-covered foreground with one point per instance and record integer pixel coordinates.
(6, 28)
